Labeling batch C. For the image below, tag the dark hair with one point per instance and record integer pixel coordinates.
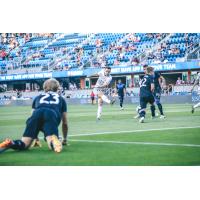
(145, 66)
(108, 67)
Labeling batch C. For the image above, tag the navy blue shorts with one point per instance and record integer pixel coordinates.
(157, 95)
(43, 119)
(145, 100)
(121, 97)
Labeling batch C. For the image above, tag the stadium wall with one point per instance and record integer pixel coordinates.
(167, 67)
(187, 99)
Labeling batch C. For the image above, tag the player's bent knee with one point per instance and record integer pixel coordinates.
(27, 141)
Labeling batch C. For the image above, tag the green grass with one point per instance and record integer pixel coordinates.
(111, 148)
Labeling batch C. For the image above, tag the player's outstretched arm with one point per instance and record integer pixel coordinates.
(64, 128)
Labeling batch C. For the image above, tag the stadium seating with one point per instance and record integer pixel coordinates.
(88, 50)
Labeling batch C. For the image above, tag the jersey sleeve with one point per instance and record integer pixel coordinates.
(64, 105)
(34, 103)
(100, 73)
(109, 80)
(151, 79)
(157, 75)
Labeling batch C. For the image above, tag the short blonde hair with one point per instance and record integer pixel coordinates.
(51, 85)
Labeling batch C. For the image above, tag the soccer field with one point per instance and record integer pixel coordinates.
(117, 140)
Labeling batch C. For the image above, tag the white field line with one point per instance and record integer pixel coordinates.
(137, 143)
(133, 131)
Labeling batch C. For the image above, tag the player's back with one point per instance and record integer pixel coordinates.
(52, 101)
(145, 86)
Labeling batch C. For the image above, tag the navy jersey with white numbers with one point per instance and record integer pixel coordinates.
(120, 89)
(51, 100)
(145, 86)
(157, 75)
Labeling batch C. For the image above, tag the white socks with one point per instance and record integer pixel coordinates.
(105, 99)
(99, 111)
(197, 105)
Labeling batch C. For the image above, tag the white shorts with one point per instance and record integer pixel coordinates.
(103, 91)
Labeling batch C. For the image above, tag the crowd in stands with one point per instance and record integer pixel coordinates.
(174, 48)
(57, 52)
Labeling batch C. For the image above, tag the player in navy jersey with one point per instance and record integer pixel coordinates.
(146, 93)
(49, 109)
(121, 91)
(158, 78)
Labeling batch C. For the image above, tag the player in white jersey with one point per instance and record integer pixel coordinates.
(197, 81)
(101, 88)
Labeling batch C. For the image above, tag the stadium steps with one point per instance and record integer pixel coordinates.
(54, 39)
(144, 55)
(65, 57)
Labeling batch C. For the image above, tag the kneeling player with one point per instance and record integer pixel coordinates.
(48, 110)
(197, 81)
(101, 88)
(146, 93)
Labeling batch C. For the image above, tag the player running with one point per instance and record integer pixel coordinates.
(101, 88)
(121, 91)
(197, 81)
(146, 93)
(49, 108)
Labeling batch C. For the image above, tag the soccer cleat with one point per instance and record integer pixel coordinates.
(192, 111)
(98, 119)
(112, 101)
(137, 116)
(141, 120)
(153, 117)
(121, 108)
(36, 143)
(6, 144)
(56, 144)
(65, 143)
(162, 117)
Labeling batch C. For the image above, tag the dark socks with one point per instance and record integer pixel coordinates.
(153, 110)
(121, 102)
(160, 108)
(142, 113)
(18, 145)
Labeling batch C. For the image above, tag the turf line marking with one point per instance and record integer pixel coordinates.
(136, 143)
(134, 131)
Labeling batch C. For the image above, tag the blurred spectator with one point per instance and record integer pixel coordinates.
(92, 96)
(179, 81)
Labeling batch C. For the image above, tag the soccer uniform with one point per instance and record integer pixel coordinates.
(101, 81)
(198, 93)
(47, 115)
(120, 90)
(157, 90)
(198, 79)
(146, 95)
